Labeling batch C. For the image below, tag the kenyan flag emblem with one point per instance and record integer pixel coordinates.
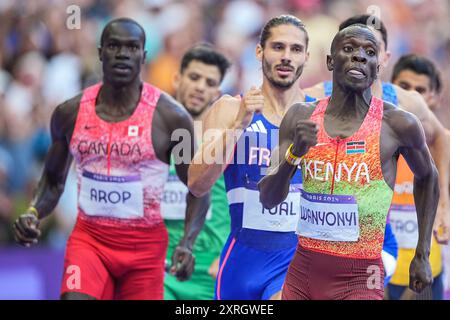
(356, 147)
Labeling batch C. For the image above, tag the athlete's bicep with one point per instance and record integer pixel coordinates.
(221, 114)
(414, 148)
(59, 158)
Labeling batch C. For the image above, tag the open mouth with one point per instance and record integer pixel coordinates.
(284, 71)
(356, 73)
(121, 67)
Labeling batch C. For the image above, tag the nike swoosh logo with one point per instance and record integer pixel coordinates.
(89, 127)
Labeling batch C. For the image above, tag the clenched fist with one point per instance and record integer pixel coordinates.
(305, 137)
(253, 101)
(26, 229)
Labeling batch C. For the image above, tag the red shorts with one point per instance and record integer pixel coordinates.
(111, 263)
(318, 276)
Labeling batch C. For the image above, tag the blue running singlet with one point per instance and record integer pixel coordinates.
(262, 242)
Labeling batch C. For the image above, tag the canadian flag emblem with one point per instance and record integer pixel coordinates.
(133, 131)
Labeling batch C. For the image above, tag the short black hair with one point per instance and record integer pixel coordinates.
(121, 20)
(205, 53)
(370, 21)
(356, 25)
(278, 21)
(419, 65)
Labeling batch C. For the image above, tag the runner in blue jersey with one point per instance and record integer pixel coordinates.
(262, 242)
(414, 103)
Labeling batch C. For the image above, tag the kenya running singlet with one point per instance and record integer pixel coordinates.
(390, 247)
(345, 199)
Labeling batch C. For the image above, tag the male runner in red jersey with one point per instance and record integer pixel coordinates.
(120, 134)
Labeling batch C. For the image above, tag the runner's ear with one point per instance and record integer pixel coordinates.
(330, 63)
(176, 80)
(259, 52)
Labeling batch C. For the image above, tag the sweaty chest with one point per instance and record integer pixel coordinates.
(347, 152)
(99, 142)
(341, 127)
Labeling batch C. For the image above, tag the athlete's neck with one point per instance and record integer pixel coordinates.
(278, 100)
(121, 100)
(349, 104)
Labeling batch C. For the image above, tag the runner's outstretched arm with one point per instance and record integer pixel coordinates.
(426, 195)
(51, 184)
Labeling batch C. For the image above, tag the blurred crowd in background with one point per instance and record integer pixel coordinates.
(44, 61)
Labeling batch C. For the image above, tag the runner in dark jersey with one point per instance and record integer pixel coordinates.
(119, 133)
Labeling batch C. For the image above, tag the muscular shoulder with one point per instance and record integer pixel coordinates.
(316, 91)
(64, 117)
(413, 102)
(172, 112)
(405, 125)
(223, 112)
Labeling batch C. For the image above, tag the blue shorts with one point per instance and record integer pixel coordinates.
(389, 254)
(253, 272)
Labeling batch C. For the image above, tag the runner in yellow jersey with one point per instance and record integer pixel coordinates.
(412, 72)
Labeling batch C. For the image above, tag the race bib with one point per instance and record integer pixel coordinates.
(111, 196)
(173, 202)
(328, 217)
(403, 220)
(282, 218)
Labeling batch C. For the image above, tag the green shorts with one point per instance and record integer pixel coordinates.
(199, 287)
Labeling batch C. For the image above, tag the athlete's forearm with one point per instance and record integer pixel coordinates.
(211, 160)
(46, 196)
(196, 209)
(426, 197)
(274, 187)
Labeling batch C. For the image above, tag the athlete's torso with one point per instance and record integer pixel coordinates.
(252, 224)
(120, 178)
(345, 199)
(389, 94)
